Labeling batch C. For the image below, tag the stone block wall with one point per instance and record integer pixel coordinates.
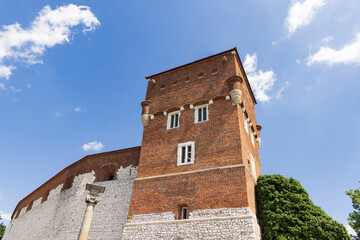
(61, 215)
(222, 223)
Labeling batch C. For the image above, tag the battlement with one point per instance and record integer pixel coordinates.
(104, 165)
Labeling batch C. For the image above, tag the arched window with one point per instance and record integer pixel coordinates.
(106, 173)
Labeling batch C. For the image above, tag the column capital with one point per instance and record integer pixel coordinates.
(92, 199)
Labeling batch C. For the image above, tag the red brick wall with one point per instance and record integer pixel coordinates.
(248, 102)
(221, 141)
(223, 188)
(197, 89)
(217, 141)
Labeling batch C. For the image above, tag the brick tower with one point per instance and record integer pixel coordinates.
(199, 157)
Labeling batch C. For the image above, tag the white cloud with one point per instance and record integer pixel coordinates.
(350, 230)
(5, 216)
(5, 71)
(28, 85)
(15, 90)
(92, 146)
(280, 91)
(250, 63)
(57, 114)
(326, 39)
(50, 27)
(301, 14)
(349, 54)
(77, 109)
(2, 86)
(261, 82)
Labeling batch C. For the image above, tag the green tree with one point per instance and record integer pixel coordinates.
(354, 217)
(2, 229)
(288, 213)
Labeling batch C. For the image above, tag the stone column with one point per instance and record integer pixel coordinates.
(92, 199)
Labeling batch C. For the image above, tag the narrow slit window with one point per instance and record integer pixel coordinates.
(184, 213)
(176, 120)
(253, 169)
(186, 153)
(183, 154)
(246, 124)
(189, 154)
(204, 114)
(200, 115)
(173, 120)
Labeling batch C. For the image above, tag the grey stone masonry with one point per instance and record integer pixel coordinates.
(60, 216)
(222, 223)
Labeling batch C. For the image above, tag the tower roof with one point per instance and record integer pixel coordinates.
(206, 58)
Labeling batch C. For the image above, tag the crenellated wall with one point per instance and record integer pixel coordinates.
(60, 216)
(55, 210)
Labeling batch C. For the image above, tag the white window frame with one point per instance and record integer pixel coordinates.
(246, 124)
(179, 155)
(197, 113)
(252, 138)
(168, 125)
(253, 167)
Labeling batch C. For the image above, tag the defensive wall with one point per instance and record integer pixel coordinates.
(55, 210)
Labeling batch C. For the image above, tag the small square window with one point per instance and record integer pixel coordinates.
(187, 79)
(201, 113)
(214, 71)
(201, 75)
(173, 120)
(186, 153)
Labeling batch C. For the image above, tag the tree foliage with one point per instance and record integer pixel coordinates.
(288, 213)
(2, 229)
(354, 217)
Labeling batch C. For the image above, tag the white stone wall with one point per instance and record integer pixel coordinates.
(60, 216)
(222, 223)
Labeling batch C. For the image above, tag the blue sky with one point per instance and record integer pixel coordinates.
(72, 79)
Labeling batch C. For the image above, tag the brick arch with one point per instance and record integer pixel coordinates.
(106, 173)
